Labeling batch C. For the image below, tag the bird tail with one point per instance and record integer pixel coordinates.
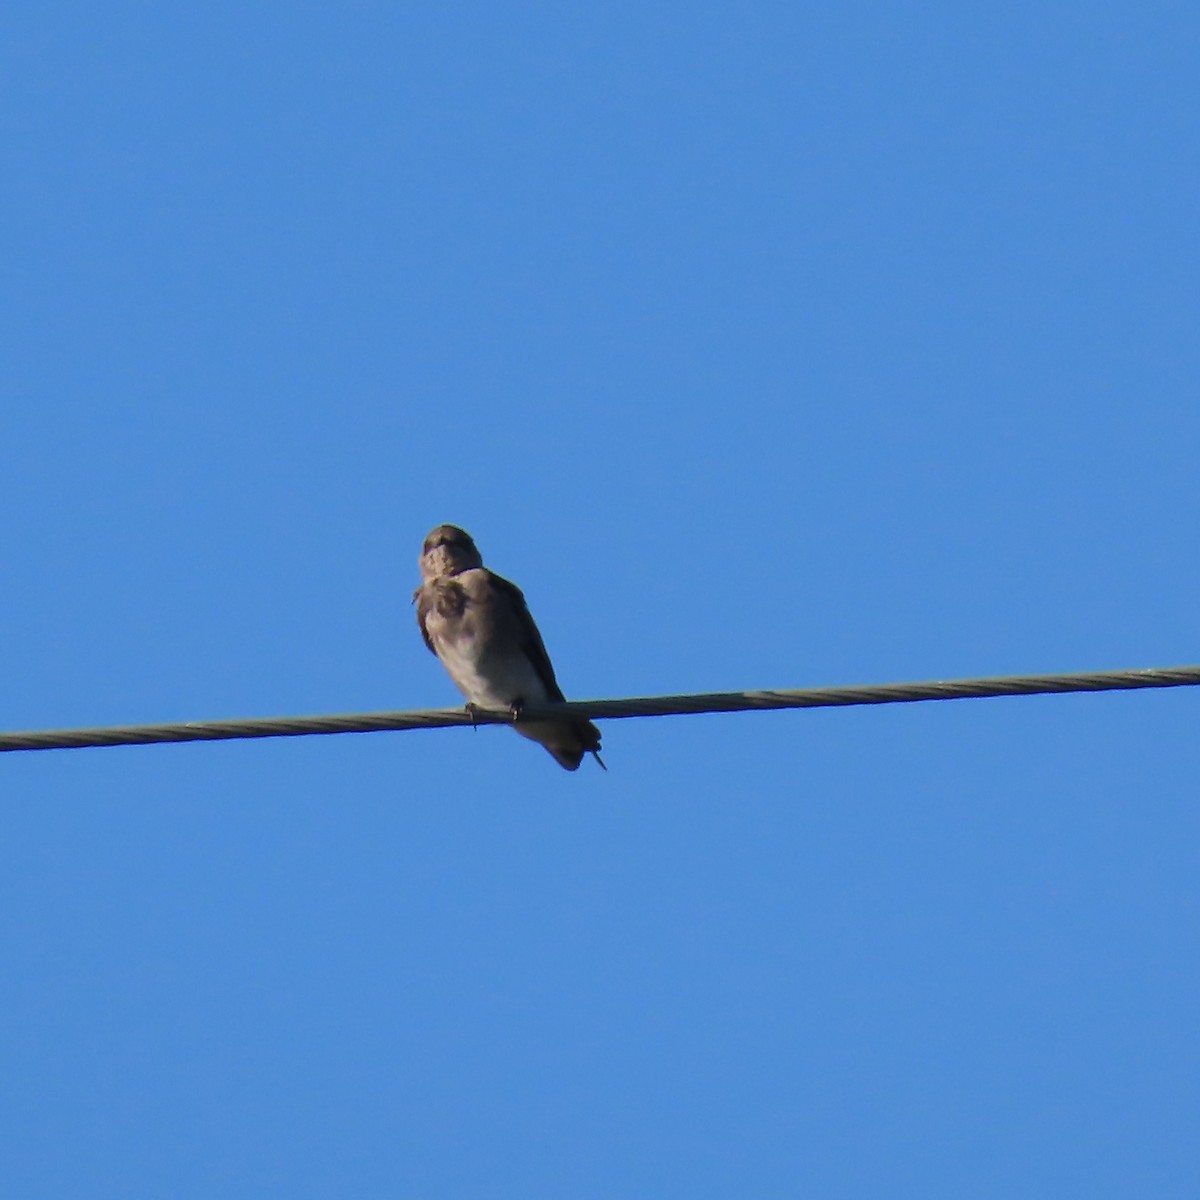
(566, 741)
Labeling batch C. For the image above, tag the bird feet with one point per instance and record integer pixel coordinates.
(514, 710)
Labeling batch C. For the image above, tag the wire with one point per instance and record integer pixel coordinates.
(642, 706)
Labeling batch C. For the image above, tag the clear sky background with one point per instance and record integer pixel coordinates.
(763, 345)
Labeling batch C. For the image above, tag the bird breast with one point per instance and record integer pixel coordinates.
(480, 653)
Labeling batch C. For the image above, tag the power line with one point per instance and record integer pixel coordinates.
(642, 706)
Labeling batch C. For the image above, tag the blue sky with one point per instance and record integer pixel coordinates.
(766, 346)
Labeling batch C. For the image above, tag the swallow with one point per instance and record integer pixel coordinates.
(480, 628)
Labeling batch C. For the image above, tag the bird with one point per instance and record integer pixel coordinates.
(479, 626)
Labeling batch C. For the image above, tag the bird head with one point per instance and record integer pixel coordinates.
(448, 550)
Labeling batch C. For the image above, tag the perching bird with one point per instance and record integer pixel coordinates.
(479, 626)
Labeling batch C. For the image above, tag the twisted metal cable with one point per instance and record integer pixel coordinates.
(641, 706)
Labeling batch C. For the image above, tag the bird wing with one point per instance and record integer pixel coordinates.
(527, 635)
(424, 598)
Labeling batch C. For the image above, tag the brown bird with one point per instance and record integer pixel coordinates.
(479, 626)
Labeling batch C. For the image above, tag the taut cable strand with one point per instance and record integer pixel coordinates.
(639, 706)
